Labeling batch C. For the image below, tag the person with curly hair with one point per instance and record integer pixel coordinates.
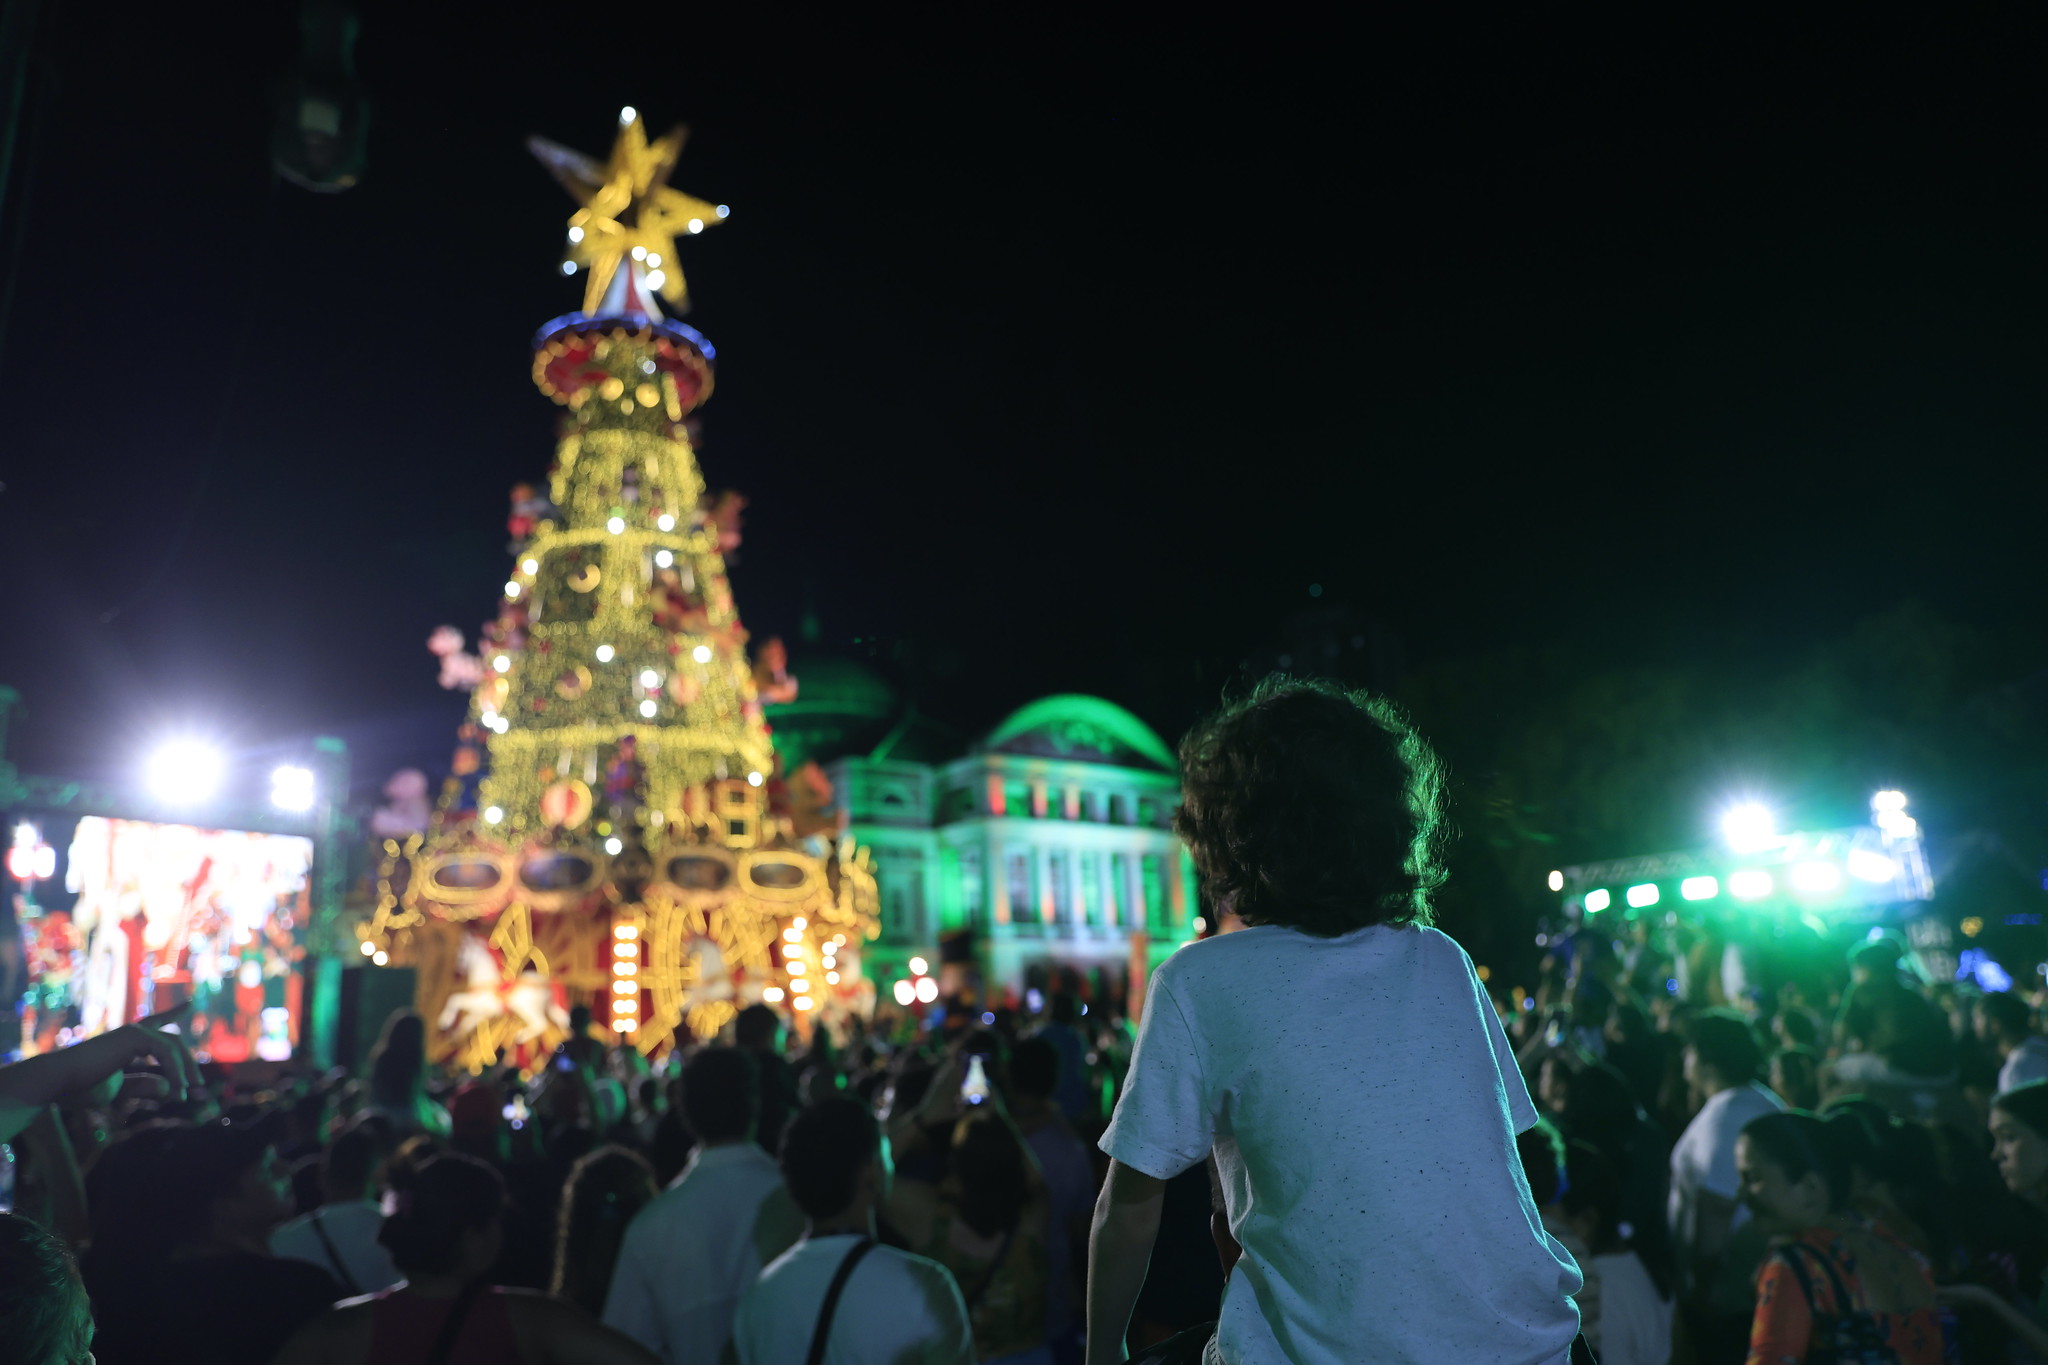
(605, 1192)
(1340, 1059)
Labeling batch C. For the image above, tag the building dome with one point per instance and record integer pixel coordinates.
(1081, 729)
(841, 707)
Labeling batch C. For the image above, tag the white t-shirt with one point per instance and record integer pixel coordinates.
(1362, 1104)
(1635, 1320)
(896, 1309)
(689, 1256)
(352, 1228)
(2027, 1062)
(1703, 1158)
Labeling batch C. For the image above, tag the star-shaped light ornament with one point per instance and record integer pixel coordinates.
(630, 216)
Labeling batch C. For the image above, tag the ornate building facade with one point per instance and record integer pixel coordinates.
(1043, 856)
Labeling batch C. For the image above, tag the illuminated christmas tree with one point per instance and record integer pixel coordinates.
(616, 829)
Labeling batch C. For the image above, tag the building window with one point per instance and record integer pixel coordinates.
(1023, 905)
(973, 905)
(1155, 890)
(1091, 888)
(1056, 870)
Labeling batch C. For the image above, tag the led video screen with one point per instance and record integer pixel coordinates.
(166, 914)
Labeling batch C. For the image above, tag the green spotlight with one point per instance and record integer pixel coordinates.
(1699, 888)
(1640, 896)
(1750, 884)
(1597, 900)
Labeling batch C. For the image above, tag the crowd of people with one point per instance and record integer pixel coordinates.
(602, 1211)
(1767, 1165)
(1329, 1137)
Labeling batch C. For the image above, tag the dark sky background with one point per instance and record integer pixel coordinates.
(1058, 352)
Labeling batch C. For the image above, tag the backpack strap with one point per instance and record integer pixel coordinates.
(348, 1281)
(1845, 1303)
(823, 1331)
(451, 1326)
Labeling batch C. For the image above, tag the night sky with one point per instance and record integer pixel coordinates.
(1056, 353)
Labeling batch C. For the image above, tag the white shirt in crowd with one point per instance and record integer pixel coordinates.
(1703, 1158)
(2027, 1062)
(896, 1309)
(689, 1256)
(352, 1228)
(1635, 1320)
(1362, 1104)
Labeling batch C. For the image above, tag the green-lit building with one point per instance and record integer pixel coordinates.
(1040, 854)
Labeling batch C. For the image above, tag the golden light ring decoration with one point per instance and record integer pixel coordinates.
(699, 891)
(777, 889)
(463, 895)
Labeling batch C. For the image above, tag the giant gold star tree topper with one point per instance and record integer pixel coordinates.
(629, 212)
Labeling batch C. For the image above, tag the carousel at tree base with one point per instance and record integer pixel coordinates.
(617, 829)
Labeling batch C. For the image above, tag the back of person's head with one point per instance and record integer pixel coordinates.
(2007, 1013)
(1593, 1191)
(45, 1317)
(1064, 1008)
(756, 1026)
(1796, 1074)
(223, 1175)
(909, 1088)
(1879, 958)
(1542, 1151)
(989, 1163)
(1309, 806)
(2028, 1103)
(432, 1206)
(1799, 1028)
(1801, 1145)
(1724, 1044)
(825, 1149)
(1035, 1068)
(579, 1020)
(604, 1191)
(398, 1063)
(136, 1217)
(350, 1162)
(720, 1094)
(1599, 1105)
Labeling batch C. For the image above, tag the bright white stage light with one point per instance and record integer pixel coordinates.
(1749, 827)
(1866, 866)
(1815, 877)
(185, 772)
(292, 788)
(927, 989)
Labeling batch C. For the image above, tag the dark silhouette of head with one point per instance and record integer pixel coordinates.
(604, 1191)
(446, 1211)
(720, 1094)
(1035, 1069)
(1308, 806)
(758, 1026)
(1725, 1051)
(832, 1159)
(398, 1063)
(45, 1318)
(989, 1163)
(2008, 1018)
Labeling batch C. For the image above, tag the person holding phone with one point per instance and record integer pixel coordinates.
(989, 1218)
